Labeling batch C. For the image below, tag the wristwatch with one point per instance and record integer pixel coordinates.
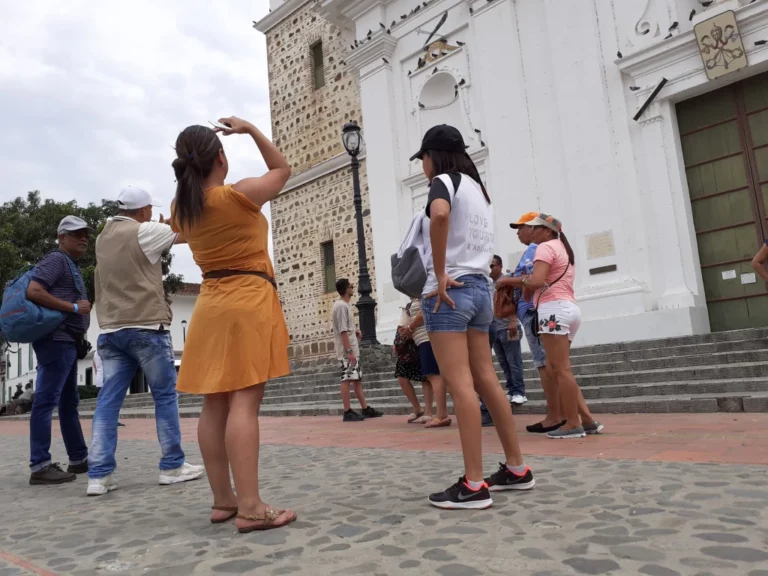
(348, 351)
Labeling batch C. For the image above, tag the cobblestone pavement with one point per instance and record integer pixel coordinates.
(363, 511)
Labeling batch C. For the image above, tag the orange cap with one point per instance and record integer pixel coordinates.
(524, 219)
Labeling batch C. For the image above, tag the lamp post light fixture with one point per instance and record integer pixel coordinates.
(366, 305)
(184, 328)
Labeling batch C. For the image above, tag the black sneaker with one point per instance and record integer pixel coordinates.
(352, 416)
(369, 412)
(503, 479)
(461, 497)
(51, 474)
(487, 420)
(81, 468)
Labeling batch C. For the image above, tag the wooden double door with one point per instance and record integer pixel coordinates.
(724, 136)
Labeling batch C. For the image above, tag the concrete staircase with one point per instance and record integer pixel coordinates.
(719, 372)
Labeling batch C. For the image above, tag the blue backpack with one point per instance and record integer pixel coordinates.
(21, 320)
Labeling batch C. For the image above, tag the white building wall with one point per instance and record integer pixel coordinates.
(182, 307)
(544, 104)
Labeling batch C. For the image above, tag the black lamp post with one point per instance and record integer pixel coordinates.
(365, 304)
(184, 328)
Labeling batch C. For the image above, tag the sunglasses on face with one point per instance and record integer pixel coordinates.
(79, 234)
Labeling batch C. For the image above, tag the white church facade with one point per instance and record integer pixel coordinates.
(664, 212)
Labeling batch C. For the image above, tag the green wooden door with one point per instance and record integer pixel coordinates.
(724, 137)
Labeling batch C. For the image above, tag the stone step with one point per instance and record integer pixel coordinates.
(625, 369)
(681, 375)
(640, 350)
(591, 361)
(682, 403)
(393, 395)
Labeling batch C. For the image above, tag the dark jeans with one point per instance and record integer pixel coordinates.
(56, 386)
(510, 356)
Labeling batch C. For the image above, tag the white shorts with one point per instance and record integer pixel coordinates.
(559, 317)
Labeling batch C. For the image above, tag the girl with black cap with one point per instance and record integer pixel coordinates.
(457, 309)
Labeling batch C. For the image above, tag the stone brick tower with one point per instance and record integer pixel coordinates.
(312, 96)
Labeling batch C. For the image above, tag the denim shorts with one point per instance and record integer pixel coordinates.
(473, 307)
(538, 355)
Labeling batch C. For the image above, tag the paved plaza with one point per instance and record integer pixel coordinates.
(642, 499)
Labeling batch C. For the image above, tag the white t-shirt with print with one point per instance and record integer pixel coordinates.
(470, 230)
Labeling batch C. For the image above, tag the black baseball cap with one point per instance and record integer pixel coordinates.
(443, 138)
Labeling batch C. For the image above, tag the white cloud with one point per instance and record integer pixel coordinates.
(95, 93)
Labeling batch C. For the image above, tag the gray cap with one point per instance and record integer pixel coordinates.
(72, 224)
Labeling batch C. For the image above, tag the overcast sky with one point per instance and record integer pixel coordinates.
(94, 94)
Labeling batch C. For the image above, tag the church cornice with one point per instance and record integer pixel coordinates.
(278, 15)
(380, 46)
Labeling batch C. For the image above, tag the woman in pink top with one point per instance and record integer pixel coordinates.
(559, 319)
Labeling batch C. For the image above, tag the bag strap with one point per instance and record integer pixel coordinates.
(448, 181)
(553, 283)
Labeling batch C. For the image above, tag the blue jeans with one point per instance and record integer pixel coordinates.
(509, 353)
(56, 386)
(473, 307)
(510, 356)
(538, 355)
(122, 353)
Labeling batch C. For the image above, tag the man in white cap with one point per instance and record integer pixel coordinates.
(57, 284)
(135, 317)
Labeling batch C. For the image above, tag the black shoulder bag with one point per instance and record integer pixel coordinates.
(535, 318)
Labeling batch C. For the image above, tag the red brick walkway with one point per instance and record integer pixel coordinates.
(727, 438)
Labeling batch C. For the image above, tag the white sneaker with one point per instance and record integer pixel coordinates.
(185, 473)
(100, 486)
(517, 399)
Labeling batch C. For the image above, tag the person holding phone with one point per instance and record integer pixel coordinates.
(237, 338)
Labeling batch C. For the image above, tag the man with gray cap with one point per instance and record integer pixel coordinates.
(57, 284)
(135, 317)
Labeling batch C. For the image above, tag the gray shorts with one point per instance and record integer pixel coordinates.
(538, 354)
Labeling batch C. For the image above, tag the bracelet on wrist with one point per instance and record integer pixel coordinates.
(77, 308)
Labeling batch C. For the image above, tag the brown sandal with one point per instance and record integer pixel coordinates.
(437, 423)
(267, 521)
(232, 509)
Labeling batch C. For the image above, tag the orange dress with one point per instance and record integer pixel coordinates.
(237, 335)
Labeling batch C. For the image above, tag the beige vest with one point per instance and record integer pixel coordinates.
(129, 289)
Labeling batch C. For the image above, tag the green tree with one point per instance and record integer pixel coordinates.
(28, 232)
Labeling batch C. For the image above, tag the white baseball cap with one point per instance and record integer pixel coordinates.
(134, 198)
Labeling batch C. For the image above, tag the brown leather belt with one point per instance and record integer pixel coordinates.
(228, 273)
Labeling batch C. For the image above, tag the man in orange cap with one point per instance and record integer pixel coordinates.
(553, 419)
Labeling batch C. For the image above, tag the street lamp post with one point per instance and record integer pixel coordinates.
(184, 328)
(366, 305)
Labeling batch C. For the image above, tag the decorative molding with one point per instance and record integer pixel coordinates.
(662, 54)
(276, 16)
(485, 6)
(381, 45)
(343, 13)
(647, 29)
(319, 170)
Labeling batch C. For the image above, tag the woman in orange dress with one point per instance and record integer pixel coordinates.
(237, 338)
